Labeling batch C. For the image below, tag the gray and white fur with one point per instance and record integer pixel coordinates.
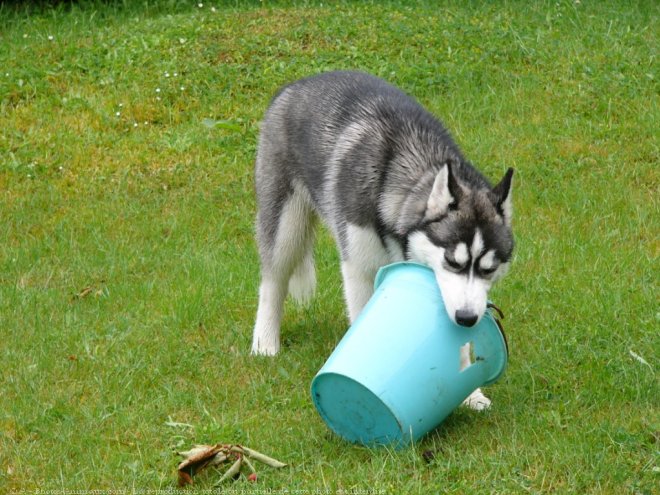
(388, 180)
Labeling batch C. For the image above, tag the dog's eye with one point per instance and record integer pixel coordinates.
(488, 271)
(487, 264)
(453, 264)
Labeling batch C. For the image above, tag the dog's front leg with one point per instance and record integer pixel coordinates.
(363, 253)
(476, 400)
(358, 288)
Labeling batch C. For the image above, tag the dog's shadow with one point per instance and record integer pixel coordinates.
(311, 331)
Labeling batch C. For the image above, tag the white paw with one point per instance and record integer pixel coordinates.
(261, 347)
(265, 339)
(477, 401)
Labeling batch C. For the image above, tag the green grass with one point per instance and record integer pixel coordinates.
(109, 179)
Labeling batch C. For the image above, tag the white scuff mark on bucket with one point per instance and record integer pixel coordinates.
(640, 359)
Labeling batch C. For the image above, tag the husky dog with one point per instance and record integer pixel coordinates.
(388, 180)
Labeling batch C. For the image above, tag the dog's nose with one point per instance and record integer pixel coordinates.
(466, 318)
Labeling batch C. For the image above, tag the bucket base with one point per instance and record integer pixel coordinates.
(354, 412)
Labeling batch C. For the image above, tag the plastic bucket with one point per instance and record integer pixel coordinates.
(396, 374)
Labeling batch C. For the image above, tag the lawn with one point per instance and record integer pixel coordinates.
(129, 273)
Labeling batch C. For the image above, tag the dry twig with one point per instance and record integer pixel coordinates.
(203, 456)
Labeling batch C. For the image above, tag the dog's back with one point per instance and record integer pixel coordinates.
(337, 135)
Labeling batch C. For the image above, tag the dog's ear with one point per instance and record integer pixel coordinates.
(502, 192)
(444, 192)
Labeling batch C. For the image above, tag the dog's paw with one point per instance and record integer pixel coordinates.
(265, 338)
(261, 348)
(477, 401)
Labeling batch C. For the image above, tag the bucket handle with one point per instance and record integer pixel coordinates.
(500, 313)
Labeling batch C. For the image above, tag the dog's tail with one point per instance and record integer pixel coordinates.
(302, 283)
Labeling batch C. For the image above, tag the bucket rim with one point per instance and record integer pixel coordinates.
(383, 270)
(503, 342)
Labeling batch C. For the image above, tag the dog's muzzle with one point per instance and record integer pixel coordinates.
(466, 318)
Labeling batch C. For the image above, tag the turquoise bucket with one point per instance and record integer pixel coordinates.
(396, 373)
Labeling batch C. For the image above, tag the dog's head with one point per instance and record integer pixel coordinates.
(465, 236)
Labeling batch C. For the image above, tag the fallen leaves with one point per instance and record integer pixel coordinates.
(96, 289)
(203, 456)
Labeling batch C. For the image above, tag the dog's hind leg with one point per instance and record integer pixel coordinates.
(285, 237)
(266, 335)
